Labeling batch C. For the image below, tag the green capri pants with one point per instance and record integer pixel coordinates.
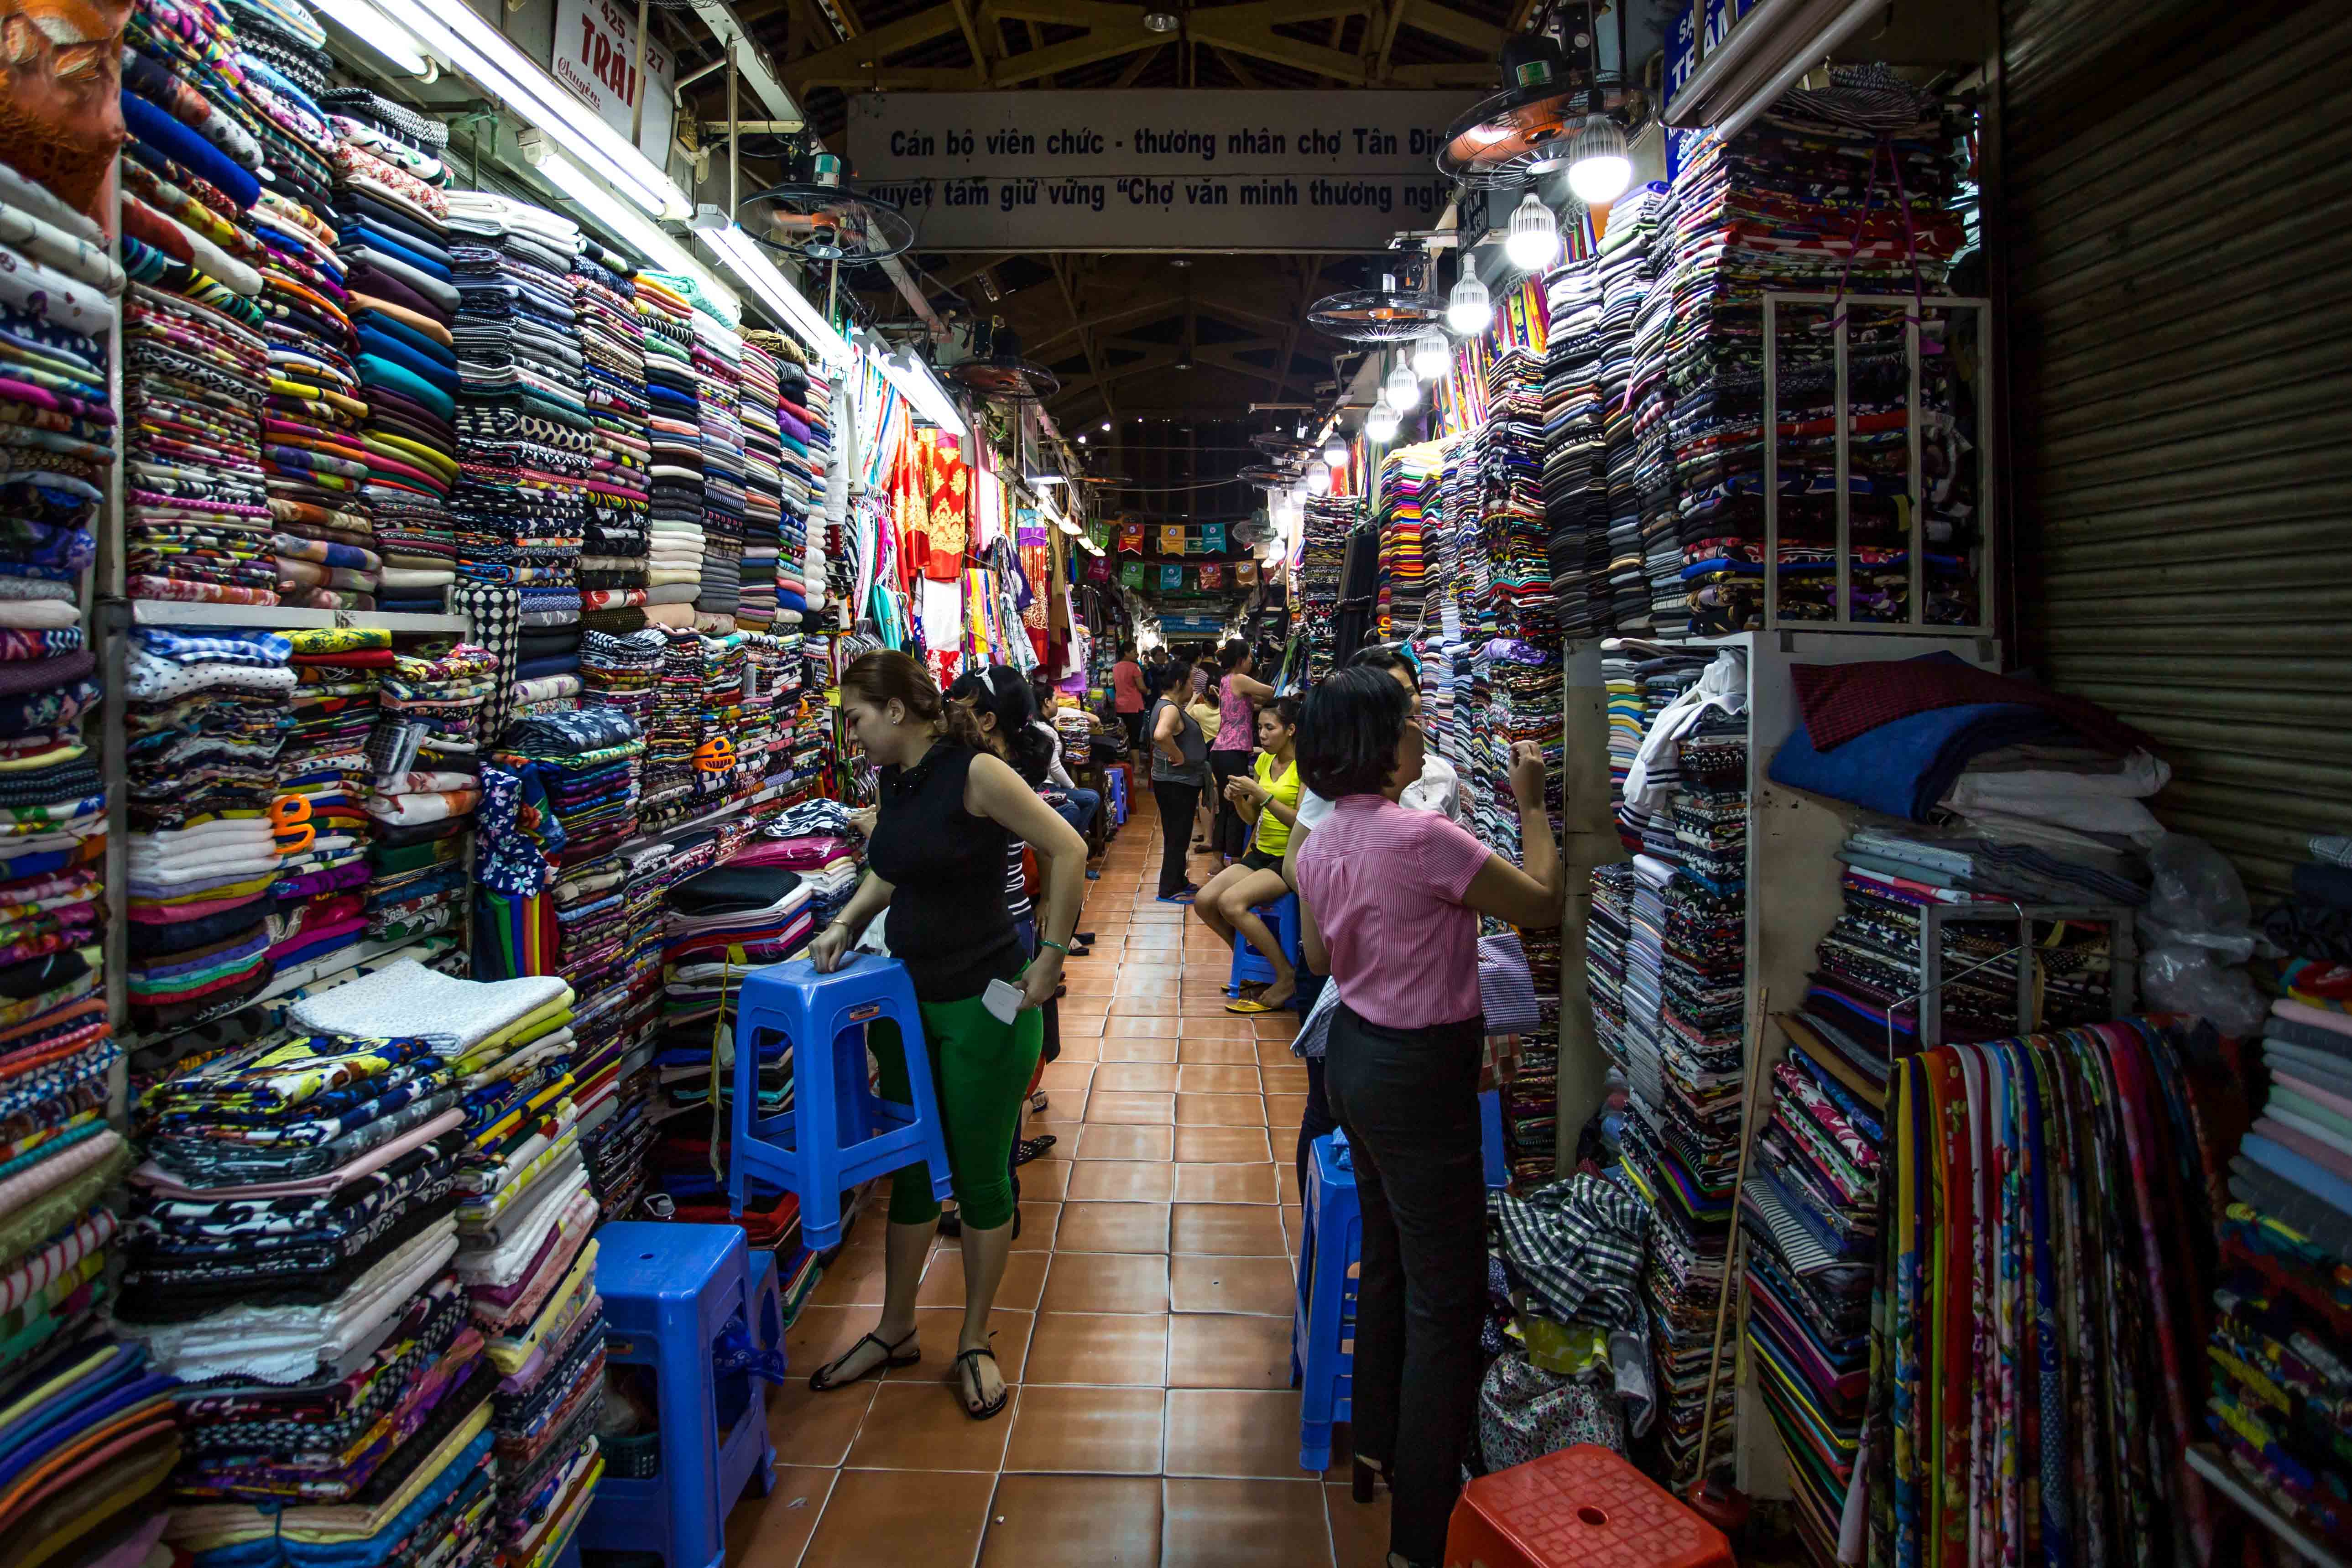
(980, 1071)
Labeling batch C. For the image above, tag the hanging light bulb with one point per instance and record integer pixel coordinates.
(1380, 424)
(1319, 478)
(1404, 389)
(1335, 449)
(1433, 356)
(1468, 309)
(1534, 240)
(1597, 169)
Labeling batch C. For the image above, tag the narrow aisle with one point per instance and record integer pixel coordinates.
(1145, 1316)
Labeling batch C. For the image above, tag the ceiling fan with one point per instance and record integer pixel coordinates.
(1003, 376)
(1388, 314)
(820, 216)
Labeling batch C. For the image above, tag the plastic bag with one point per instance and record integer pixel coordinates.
(2197, 928)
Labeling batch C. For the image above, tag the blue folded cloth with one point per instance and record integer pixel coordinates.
(1905, 767)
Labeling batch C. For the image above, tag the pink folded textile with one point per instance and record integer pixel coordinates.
(2304, 1013)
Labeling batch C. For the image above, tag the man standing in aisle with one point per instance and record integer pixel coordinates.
(1126, 691)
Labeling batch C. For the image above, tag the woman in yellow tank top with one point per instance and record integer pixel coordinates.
(1267, 797)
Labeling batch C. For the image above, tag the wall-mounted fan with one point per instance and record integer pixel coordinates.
(1387, 314)
(818, 216)
(1003, 376)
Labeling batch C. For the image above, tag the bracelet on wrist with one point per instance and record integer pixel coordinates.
(1057, 947)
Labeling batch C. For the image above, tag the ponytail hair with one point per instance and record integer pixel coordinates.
(889, 676)
(1003, 691)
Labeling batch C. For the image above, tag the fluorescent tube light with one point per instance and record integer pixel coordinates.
(743, 256)
(652, 244)
(918, 385)
(382, 34)
(453, 31)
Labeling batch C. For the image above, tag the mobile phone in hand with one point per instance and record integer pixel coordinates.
(1002, 1000)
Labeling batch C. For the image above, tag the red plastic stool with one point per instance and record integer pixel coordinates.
(1583, 1506)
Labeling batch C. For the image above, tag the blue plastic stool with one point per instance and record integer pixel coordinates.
(767, 1304)
(1117, 779)
(1490, 1139)
(837, 1133)
(1249, 967)
(670, 1292)
(1323, 1323)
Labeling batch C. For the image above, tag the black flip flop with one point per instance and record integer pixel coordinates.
(1029, 1148)
(986, 1411)
(820, 1382)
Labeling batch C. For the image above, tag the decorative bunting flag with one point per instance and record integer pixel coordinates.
(1130, 538)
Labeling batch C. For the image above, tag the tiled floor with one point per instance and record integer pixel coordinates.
(1145, 1318)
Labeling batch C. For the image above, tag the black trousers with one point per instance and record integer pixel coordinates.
(1232, 833)
(1409, 1101)
(1133, 724)
(1177, 804)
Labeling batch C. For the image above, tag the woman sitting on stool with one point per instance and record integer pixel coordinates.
(1268, 796)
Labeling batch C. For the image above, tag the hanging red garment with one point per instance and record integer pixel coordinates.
(911, 514)
(946, 485)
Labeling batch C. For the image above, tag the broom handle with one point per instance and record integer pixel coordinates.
(1755, 1044)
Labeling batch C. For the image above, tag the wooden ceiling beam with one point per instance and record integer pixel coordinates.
(1455, 26)
(1103, 43)
(1062, 266)
(1449, 75)
(858, 58)
(1249, 30)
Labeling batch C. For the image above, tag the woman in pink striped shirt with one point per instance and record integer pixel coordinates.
(1394, 898)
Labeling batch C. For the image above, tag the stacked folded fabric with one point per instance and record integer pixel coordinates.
(620, 473)
(525, 441)
(1323, 557)
(319, 893)
(720, 717)
(1628, 413)
(674, 728)
(587, 764)
(1407, 508)
(805, 409)
(621, 672)
(772, 686)
(718, 359)
(763, 488)
(205, 719)
(424, 754)
(1823, 195)
(1514, 572)
(1575, 484)
(392, 218)
(523, 1218)
(675, 541)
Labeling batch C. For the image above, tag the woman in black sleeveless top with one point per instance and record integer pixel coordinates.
(948, 812)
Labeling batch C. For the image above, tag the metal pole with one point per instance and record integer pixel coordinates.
(734, 138)
(637, 79)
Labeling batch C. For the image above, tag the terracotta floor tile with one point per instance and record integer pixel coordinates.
(1101, 1348)
(773, 1531)
(1285, 1109)
(1220, 1110)
(1081, 1038)
(1230, 1432)
(1205, 1021)
(1115, 1227)
(1243, 1524)
(1098, 1430)
(1158, 1049)
(1224, 1183)
(1165, 1008)
(1137, 1110)
(1277, 1053)
(1066, 1133)
(1223, 1349)
(1071, 1521)
(1045, 1180)
(1140, 1028)
(1280, 1026)
(1359, 1530)
(922, 1427)
(1066, 1077)
(1289, 1080)
(1024, 1274)
(1223, 1145)
(1136, 1078)
(1107, 1283)
(938, 1329)
(1194, 1052)
(1038, 1220)
(811, 1428)
(1289, 1175)
(1108, 1142)
(1228, 1230)
(1147, 968)
(1265, 1286)
(855, 1279)
(902, 1516)
(1170, 990)
(1122, 1181)
(1217, 1079)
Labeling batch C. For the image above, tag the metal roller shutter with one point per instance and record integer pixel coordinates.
(2181, 446)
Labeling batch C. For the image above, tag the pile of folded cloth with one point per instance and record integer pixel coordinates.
(1575, 481)
(804, 416)
(1408, 501)
(205, 718)
(1323, 555)
(2038, 796)
(525, 440)
(620, 481)
(1627, 267)
(621, 672)
(674, 728)
(674, 529)
(813, 840)
(2280, 1327)
(718, 359)
(523, 1220)
(763, 487)
(323, 779)
(620, 1017)
(720, 716)
(425, 758)
(772, 684)
(546, 672)
(720, 921)
(1515, 695)
(1826, 196)
(196, 515)
(586, 763)
(1514, 573)
(392, 221)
